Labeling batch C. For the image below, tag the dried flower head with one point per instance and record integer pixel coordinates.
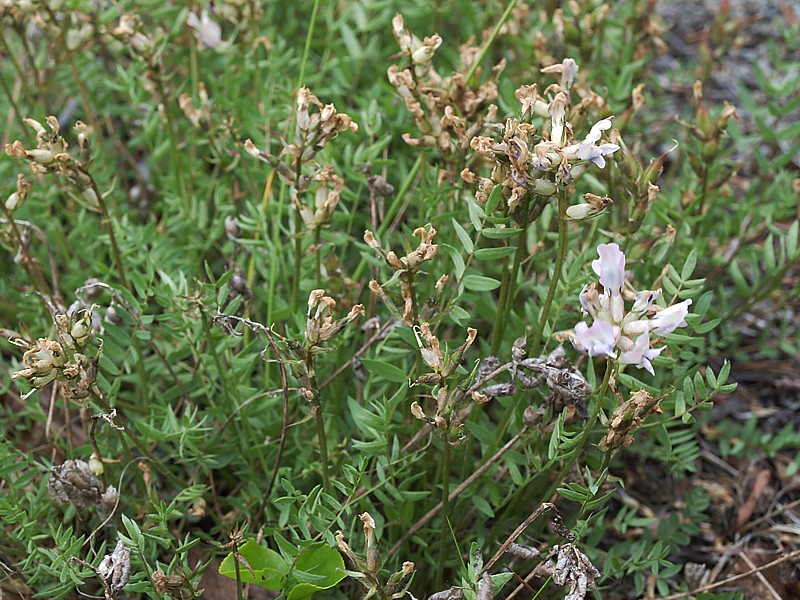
(115, 569)
(320, 326)
(628, 416)
(74, 483)
(574, 569)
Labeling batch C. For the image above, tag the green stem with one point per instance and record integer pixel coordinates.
(522, 492)
(307, 48)
(87, 104)
(177, 161)
(514, 275)
(298, 256)
(490, 41)
(322, 438)
(318, 256)
(22, 77)
(112, 238)
(497, 333)
(561, 252)
(443, 531)
(11, 99)
(31, 267)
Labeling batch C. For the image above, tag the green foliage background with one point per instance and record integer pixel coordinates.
(204, 411)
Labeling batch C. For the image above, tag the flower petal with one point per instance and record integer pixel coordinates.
(641, 354)
(610, 267)
(599, 339)
(597, 130)
(669, 319)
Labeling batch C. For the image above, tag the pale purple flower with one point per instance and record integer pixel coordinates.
(206, 30)
(599, 339)
(641, 354)
(610, 267)
(624, 336)
(587, 150)
(669, 319)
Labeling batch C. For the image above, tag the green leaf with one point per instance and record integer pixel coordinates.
(499, 580)
(500, 233)
(700, 386)
(463, 236)
(478, 283)
(572, 494)
(458, 315)
(319, 567)
(495, 253)
(483, 506)
(707, 326)
(791, 237)
(724, 372)
(133, 530)
(688, 390)
(711, 378)
(669, 287)
(680, 404)
(458, 260)
(269, 567)
(689, 265)
(494, 199)
(385, 370)
(476, 214)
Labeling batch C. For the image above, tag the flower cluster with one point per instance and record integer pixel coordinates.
(528, 161)
(313, 131)
(406, 269)
(320, 326)
(623, 336)
(51, 156)
(297, 165)
(448, 111)
(46, 360)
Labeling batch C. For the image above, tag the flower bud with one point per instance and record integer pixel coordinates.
(370, 240)
(703, 122)
(13, 202)
(425, 53)
(417, 411)
(95, 464)
(544, 187)
(41, 156)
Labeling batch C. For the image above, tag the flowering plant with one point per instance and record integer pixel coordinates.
(623, 336)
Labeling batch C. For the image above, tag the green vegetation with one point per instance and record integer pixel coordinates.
(340, 302)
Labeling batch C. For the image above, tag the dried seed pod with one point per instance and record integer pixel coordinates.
(74, 483)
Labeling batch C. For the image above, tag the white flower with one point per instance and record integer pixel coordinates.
(599, 339)
(558, 118)
(613, 331)
(610, 267)
(641, 354)
(206, 30)
(669, 319)
(587, 150)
